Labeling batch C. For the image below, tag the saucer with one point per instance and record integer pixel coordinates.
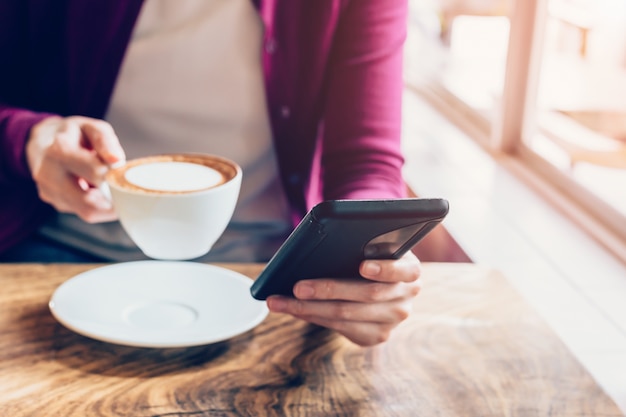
(158, 304)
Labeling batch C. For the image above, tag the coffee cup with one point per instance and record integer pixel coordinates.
(175, 206)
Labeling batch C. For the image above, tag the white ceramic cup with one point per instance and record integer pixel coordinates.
(175, 206)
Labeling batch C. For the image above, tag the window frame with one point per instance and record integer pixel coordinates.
(504, 136)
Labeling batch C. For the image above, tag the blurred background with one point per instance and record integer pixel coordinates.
(516, 112)
(541, 80)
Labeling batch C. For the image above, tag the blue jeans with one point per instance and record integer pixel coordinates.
(38, 249)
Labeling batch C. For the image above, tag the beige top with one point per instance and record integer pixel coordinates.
(192, 81)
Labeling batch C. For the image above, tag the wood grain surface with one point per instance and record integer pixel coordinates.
(472, 347)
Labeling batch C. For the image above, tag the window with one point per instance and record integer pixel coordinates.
(543, 82)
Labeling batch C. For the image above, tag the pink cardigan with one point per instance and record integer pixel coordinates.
(333, 73)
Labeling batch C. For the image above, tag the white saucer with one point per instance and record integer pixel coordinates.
(158, 304)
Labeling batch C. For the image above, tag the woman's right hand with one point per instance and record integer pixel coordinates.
(68, 158)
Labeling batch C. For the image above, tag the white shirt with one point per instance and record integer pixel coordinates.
(192, 81)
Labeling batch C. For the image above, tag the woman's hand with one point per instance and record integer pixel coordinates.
(68, 158)
(363, 310)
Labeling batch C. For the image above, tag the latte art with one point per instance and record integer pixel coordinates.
(172, 174)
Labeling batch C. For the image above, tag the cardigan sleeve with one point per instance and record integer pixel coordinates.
(21, 210)
(15, 125)
(362, 155)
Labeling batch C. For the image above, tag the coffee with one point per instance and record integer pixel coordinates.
(173, 174)
(175, 206)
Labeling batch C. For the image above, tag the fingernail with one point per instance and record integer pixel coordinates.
(276, 304)
(106, 192)
(117, 164)
(304, 290)
(372, 268)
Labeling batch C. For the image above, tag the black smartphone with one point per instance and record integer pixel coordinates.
(337, 235)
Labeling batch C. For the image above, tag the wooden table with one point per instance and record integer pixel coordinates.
(472, 347)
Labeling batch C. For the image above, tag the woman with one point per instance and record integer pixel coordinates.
(304, 95)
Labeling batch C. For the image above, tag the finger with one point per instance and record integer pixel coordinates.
(390, 312)
(91, 206)
(96, 207)
(359, 290)
(101, 137)
(66, 195)
(406, 269)
(71, 157)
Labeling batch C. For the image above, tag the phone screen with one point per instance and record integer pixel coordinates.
(388, 244)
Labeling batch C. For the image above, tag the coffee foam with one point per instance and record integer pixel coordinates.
(173, 174)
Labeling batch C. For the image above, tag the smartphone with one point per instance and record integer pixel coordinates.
(335, 236)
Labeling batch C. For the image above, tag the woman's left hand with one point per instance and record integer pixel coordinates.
(363, 310)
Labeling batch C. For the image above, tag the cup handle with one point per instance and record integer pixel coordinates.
(104, 187)
(106, 190)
